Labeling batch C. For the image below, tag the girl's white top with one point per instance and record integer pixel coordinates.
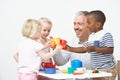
(29, 61)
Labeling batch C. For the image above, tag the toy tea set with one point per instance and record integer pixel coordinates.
(76, 65)
(49, 67)
(76, 68)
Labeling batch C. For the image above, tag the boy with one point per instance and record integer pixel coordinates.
(102, 55)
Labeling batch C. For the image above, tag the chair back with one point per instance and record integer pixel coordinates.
(118, 67)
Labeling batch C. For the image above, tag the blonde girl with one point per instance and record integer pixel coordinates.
(44, 32)
(30, 52)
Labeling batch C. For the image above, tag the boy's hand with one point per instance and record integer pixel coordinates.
(90, 49)
(66, 47)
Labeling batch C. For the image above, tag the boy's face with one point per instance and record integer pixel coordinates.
(92, 24)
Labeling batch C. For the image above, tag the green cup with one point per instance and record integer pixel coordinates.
(70, 70)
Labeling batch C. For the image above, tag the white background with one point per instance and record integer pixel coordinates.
(13, 13)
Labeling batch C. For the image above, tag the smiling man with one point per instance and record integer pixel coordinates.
(82, 34)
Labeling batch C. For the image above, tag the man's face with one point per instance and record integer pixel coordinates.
(80, 25)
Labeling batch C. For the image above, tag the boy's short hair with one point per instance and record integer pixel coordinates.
(98, 16)
(30, 27)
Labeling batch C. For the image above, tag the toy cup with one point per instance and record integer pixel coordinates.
(63, 42)
(76, 64)
(56, 41)
(70, 70)
(53, 44)
(48, 65)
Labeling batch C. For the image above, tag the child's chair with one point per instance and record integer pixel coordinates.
(118, 67)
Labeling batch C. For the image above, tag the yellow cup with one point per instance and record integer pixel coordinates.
(56, 41)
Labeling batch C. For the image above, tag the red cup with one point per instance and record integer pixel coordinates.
(48, 65)
(63, 43)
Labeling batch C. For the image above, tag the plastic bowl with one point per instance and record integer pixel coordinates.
(50, 70)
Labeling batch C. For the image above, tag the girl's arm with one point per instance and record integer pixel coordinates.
(43, 55)
(47, 45)
(15, 56)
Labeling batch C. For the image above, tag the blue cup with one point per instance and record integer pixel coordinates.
(96, 43)
(50, 70)
(76, 63)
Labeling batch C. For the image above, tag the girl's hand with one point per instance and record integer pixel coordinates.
(50, 37)
(48, 44)
(58, 48)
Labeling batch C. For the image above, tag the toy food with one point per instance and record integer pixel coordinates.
(95, 71)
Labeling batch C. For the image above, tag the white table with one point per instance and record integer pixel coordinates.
(87, 75)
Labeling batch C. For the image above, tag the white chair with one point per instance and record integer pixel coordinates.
(118, 69)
